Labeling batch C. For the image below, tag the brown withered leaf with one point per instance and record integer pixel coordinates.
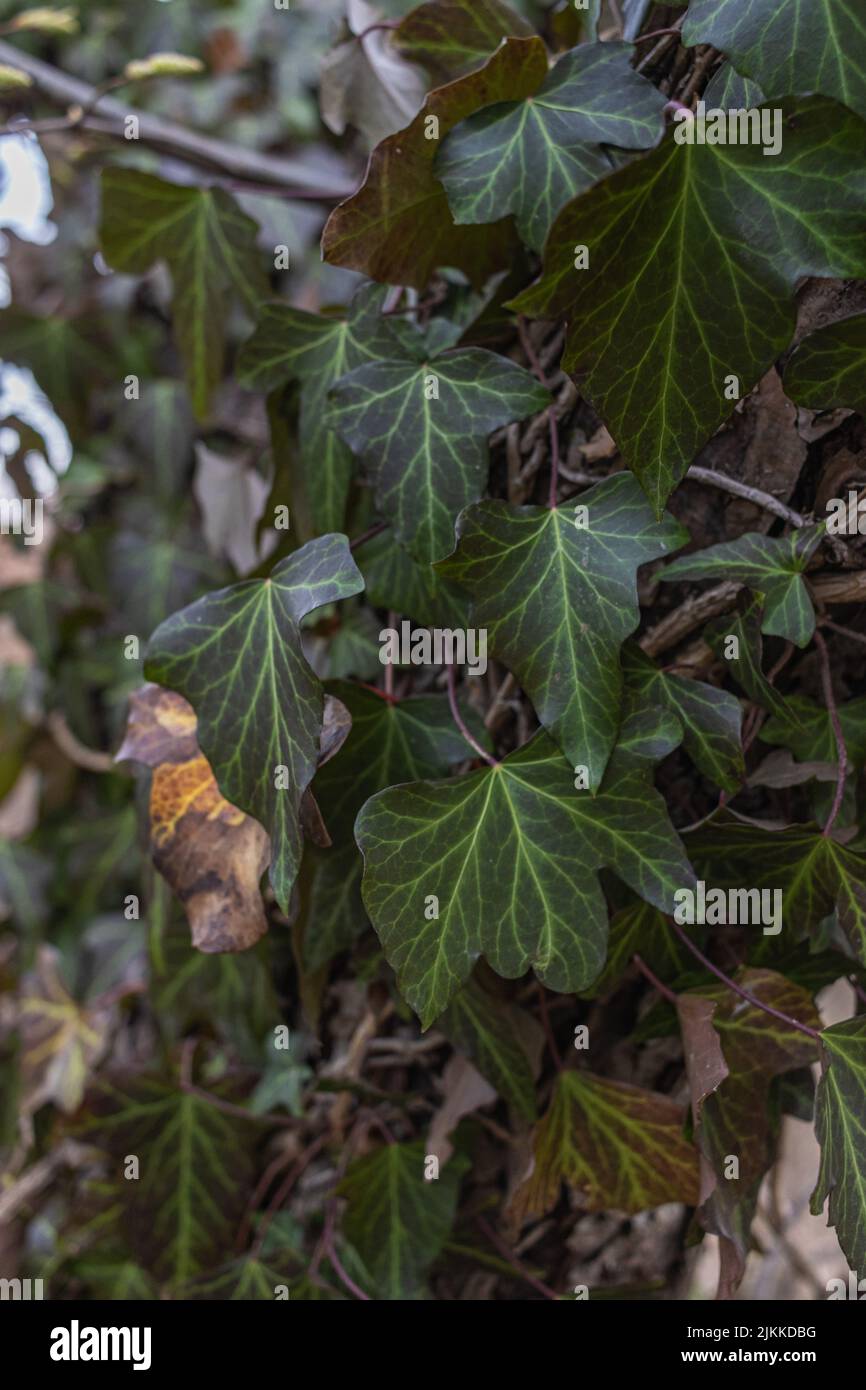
(734, 1116)
(212, 855)
(61, 1039)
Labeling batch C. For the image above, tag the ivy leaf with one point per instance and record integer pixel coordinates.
(828, 369)
(293, 345)
(420, 426)
(236, 656)
(398, 228)
(559, 600)
(452, 37)
(641, 928)
(529, 157)
(196, 1167)
(398, 1222)
(816, 873)
(773, 566)
(807, 730)
(209, 246)
(840, 1130)
(710, 717)
(747, 230)
(798, 47)
(504, 862)
(394, 580)
(487, 1031)
(620, 1147)
(747, 667)
(391, 741)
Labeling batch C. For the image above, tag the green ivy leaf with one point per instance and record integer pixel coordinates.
(710, 717)
(773, 566)
(236, 656)
(619, 1146)
(841, 1134)
(390, 741)
(747, 668)
(398, 1222)
(420, 423)
(196, 1168)
(642, 929)
(816, 873)
(559, 600)
(398, 228)
(803, 46)
(807, 730)
(487, 1030)
(209, 246)
(828, 369)
(746, 230)
(529, 157)
(394, 580)
(292, 345)
(508, 857)
(453, 37)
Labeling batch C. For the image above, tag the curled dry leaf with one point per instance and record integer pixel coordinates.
(212, 854)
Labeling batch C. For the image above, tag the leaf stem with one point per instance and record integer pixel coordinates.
(654, 980)
(368, 535)
(499, 1244)
(842, 751)
(554, 457)
(738, 989)
(459, 721)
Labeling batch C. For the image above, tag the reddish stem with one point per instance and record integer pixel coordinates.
(738, 989)
(512, 1259)
(654, 980)
(459, 721)
(842, 751)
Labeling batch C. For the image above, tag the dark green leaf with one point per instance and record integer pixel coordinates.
(746, 229)
(290, 344)
(841, 1133)
(397, 1221)
(828, 369)
(236, 656)
(208, 244)
(710, 717)
(420, 426)
(507, 858)
(801, 46)
(487, 1030)
(390, 742)
(558, 601)
(772, 566)
(529, 157)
